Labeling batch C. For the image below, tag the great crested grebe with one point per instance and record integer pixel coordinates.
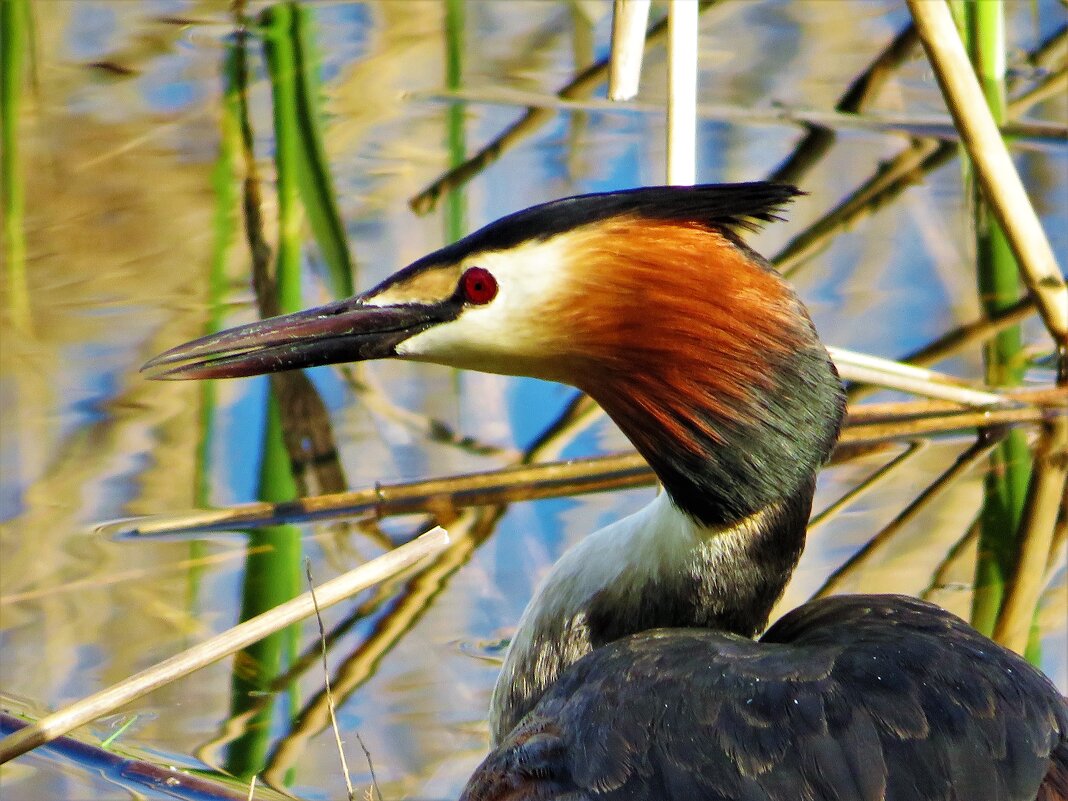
(633, 673)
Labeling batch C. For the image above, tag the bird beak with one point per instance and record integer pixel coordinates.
(346, 331)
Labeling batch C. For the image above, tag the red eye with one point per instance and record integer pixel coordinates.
(479, 286)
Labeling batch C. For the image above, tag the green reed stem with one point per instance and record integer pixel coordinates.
(269, 581)
(14, 39)
(293, 61)
(998, 281)
(225, 185)
(455, 198)
(272, 573)
(455, 202)
(316, 185)
(224, 182)
(282, 63)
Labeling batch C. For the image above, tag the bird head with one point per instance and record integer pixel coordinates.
(646, 299)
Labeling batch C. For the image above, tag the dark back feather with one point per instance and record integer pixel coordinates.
(854, 698)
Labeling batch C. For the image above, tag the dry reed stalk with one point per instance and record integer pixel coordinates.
(874, 433)
(973, 333)
(866, 427)
(1001, 183)
(405, 610)
(222, 645)
(1046, 492)
(930, 128)
(326, 683)
(629, 21)
(853, 366)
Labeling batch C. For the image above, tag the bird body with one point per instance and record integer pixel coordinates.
(858, 698)
(633, 674)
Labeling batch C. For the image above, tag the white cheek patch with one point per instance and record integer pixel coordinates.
(512, 329)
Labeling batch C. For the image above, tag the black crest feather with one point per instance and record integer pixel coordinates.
(727, 206)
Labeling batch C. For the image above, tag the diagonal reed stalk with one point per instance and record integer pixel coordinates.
(1002, 188)
(877, 544)
(222, 645)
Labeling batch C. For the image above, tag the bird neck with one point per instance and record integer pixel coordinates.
(658, 568)
(708, 362)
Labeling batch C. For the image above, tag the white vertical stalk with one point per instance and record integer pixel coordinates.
(682, 92)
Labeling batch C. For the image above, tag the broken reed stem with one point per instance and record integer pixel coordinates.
(222, 645)
(630, 18)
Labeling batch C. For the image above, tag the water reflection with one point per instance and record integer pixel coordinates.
(121, 139)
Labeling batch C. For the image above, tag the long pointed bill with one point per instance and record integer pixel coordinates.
(347, 331)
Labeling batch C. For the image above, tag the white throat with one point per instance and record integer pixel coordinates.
(658, 567)
(621, 556)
